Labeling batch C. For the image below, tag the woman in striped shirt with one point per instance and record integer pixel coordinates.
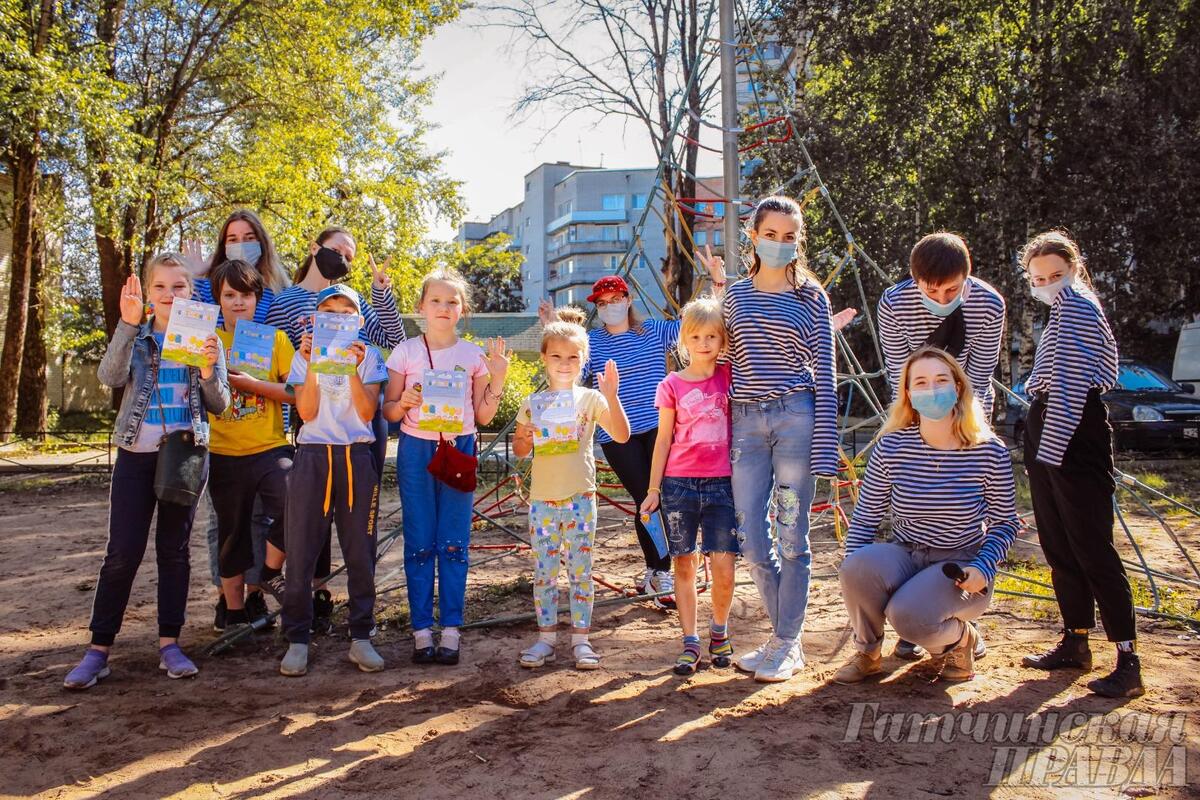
(784, 422)
(947, 481)
(1068, 455)
(640, 349)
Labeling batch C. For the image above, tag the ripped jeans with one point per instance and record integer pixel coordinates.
(773, 492)
(437, 530)
(556, 526)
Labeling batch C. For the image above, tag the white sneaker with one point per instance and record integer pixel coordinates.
(663, 581)
(749, 662)
(780, 663)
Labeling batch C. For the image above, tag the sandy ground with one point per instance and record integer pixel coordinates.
(488, 727)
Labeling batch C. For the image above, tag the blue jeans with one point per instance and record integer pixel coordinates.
(771, 456)
(437, 530)
(701, 506)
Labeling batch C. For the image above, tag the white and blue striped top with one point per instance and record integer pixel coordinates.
(780, 343)
(202, 291)
(939, 498)
(1077, 353)
(905, 324)
(641, 357)
(382, 326)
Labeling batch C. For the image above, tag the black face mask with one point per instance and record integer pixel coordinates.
(331, 264)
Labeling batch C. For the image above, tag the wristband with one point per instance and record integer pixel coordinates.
(654, 489)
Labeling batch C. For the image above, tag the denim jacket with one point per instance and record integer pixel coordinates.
(131, 360)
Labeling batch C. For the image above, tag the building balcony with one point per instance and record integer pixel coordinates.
(556, 280)
(617, 215)
(616, 247)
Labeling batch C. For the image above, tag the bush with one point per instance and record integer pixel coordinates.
(524, 377)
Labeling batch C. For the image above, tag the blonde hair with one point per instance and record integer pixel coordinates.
(167, 259)
(572, 314)
(970, 423)
(561, 331)
(1057, 243)
(453, 278)
(703, 312)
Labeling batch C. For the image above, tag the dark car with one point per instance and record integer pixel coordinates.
(1148, 410)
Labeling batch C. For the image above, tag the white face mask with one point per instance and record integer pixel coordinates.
(1049, 291)
(614, 313)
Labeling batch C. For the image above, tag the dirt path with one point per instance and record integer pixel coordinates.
(489, 727)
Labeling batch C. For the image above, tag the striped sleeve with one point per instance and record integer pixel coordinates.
(1000, 521)
(825, 400)
(202, 291)
(892, 340)
(985, 334)
(1084, 356)
(668, 334)
(383, 325)
(874, 500)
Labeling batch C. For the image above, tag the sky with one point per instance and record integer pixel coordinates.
(483, 73)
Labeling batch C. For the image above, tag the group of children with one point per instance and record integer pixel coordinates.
(743, 428)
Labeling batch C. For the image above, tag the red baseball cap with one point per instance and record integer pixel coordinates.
(609, 283)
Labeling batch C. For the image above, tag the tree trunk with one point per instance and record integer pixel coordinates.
(31, 397)
(24, 171)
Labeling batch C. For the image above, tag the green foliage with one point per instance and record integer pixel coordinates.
(524, 377)
(491, 268)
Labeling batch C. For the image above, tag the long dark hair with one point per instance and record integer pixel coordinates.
(797, 271)
(322, 237)
(268, 263)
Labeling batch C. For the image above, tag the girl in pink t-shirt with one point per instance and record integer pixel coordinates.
(441, 386)
(691, 474)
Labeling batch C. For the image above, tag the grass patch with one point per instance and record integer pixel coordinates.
(52, 483)
(1032, 570)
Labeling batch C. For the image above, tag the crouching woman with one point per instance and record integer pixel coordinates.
(947, 481)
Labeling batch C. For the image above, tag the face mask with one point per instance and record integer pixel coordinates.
(613, 313)
(1050, 291)
(243, 251)
(775, 255)
(331, 264)
(934, 403)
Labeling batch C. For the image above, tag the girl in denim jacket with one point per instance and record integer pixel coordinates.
(160, 396)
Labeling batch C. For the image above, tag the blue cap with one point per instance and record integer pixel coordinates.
(340, 290)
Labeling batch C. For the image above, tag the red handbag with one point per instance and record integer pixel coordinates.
(450, 465)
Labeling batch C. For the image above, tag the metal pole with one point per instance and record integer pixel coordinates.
(730, 129)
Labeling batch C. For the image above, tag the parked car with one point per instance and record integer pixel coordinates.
(1148, 410)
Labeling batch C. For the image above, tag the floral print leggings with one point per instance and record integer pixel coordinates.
(556, 526)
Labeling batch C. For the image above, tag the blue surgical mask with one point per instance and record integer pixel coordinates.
(775, 255)
(940, 309)
(1050, 291)
(249, 252)
(934, 403)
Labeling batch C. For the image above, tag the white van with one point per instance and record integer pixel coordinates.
(1187, 357)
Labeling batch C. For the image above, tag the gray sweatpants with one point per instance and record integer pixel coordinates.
(904, 585)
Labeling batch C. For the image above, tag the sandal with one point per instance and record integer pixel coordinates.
(538, 655)
(687, 663)
(585, 656)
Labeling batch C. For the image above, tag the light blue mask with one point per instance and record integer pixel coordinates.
(934, 403)
(940, 309)
(249, 252)
(775, 255)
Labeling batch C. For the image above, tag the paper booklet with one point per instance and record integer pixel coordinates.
(331, 339)
(252, 348)
(555, 426)
(443, 400)
(190, 325)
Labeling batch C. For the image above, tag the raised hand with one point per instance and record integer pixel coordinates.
(193, 255)
(379, 275)
(844, 317)
(714, 264)
(497, 360)
(546, 311)
(132, 306)
(609, 380)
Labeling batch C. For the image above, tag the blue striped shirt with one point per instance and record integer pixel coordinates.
(1077, 352)
(382, 326)
(641, 357)
(905, 324)
(202, 291)
(948, 499)
(780, 343)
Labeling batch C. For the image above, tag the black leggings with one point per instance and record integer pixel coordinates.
(1072, 505)
(631, 462)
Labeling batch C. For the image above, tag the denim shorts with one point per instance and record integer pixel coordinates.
(699, 505)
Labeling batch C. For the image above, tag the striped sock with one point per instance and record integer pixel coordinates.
(719, 644)
(691, 652)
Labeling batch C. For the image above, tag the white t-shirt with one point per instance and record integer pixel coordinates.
(447, 395)
(337, 422)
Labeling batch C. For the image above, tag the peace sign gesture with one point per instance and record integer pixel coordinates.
(714, 264)
(379, 275)
(132, 305)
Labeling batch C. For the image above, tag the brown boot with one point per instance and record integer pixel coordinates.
(860, 667)
(959, 663)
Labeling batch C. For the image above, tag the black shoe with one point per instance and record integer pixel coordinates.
(274, 587)
(1124, 681)
(322, 624)
(256, 608)
(980, 645)
(1071, 652)
(909, 651)
(444, 655)
(221, 617)
(423, 655)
